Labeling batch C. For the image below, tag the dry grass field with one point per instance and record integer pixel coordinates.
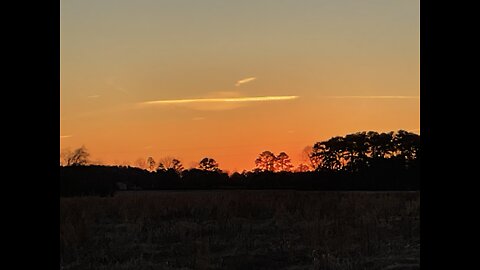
(241, 230)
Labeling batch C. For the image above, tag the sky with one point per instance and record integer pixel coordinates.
(230, 79)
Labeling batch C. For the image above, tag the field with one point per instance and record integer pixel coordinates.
(241, 230)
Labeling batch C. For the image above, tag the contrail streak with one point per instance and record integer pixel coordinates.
(239, 99)
(246, 80)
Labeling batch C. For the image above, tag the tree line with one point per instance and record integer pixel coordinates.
(358, 161)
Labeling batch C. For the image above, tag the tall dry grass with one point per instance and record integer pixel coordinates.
(240, 230)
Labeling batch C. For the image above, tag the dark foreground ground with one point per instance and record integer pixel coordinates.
(241, 230)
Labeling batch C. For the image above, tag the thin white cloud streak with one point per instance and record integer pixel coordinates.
(205, 100)
(246, 80)
(65, 136)
(221, 103)
(374, 97)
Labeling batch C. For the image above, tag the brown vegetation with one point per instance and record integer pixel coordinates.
(241, 230)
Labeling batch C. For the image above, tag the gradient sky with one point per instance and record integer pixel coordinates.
(230, 79)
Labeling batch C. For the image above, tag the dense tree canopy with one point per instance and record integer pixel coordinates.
(357, 151)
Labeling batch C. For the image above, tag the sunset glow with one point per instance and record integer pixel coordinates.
(231, 79)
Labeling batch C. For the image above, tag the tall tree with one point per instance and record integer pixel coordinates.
(265, 161)
(283, 163)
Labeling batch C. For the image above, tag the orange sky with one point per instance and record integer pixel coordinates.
(229, 79)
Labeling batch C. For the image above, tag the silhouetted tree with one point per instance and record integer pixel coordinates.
(283, 163)
(208, 164)
(381, 145)
(165, 163)
(406, 145)
(355, 148)
(265, 161)
(358, 161)
(177, 165)
(151, 163)
(76, 158)
(169, 163)
(329, 154)
(357, 151)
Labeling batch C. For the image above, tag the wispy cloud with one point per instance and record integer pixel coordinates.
(375, 97)
(216, 100)
(215, 103)
(65, 136)
(246, 80)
